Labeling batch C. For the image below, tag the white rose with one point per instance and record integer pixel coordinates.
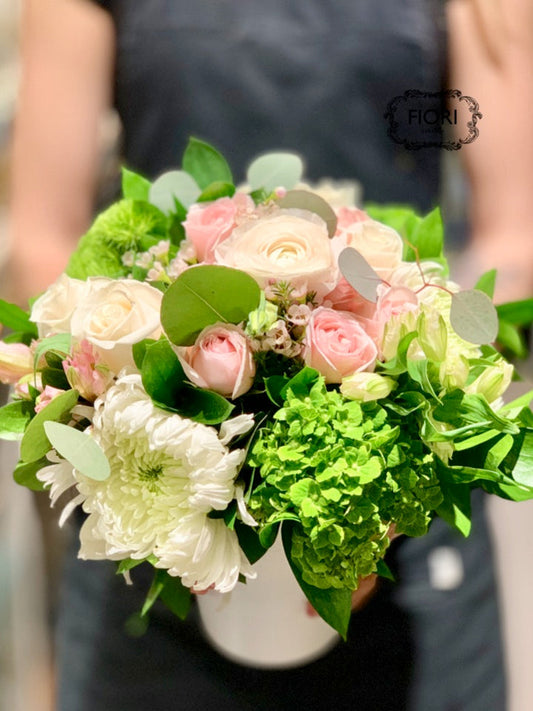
(338, 193)
(380, 245)
(286, 245)
(115, 314)
(53, 310)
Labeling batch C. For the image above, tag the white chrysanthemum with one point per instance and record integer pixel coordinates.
(167, 474)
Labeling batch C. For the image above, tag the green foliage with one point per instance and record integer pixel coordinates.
(204, 296)
(14, 418)
(346, 471)
(126, 225)
(171, 591)
(205, 164)
(18, 320)
(25, 474)
(35, 444)
(134, 186)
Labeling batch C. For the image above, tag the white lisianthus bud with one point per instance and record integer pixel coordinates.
(432, 336)
(453, 372)
(493, 381)
(262, 318)
(367, 386)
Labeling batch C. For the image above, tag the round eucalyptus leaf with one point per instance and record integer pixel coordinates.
(274, 170)
(474, 317)
(359, 274)
(79, 449)
(176, 184)
(305, 200)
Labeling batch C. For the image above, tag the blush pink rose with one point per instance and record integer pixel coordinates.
(46, 397)
(337, 345)
(393, 301)
(208, 225)
(220, 360)
(85, 371)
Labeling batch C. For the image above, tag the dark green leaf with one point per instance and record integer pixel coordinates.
(176, 596)
(161, 372)
(204, 406)
(268, 534)
(455, 508)
(139, 350)
(301, 383)
(158, 583)
(519, 313)
(510, 337)
(35, 443)
(334, 606)
(204, 296)
(383, 570)
(250, 542)
(274, 386)
(205, 164)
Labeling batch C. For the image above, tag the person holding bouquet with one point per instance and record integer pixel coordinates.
(249, 77)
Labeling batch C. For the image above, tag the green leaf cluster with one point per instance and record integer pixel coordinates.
(345, 471)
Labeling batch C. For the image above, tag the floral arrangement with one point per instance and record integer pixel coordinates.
(217, 363)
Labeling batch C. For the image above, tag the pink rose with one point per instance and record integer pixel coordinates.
(16, 360)
(208, 225)
(348, 216)
(337, 345)
(220, 360)
(345, 298)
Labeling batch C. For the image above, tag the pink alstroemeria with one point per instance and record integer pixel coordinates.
(46, 397)
(85, 372)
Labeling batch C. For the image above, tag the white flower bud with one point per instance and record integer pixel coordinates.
(493, 381)
(367, 386)
(453, 372)
(433, 336)
(262, 318)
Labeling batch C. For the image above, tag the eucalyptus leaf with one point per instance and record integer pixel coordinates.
(305, 200)
(135, 186)
(14, 418)
(171, 186)
(359, 274)
(35, 444)
(204, 296)
(474, 317)
(79, 449)
(205, 164)
(274, 170)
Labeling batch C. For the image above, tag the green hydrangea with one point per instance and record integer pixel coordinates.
(127, 225)
(346, 470)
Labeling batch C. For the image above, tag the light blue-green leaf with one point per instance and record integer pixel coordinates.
(359, 274)
(474, 317)
(79, 449)
(176, 184)
(274, 170)
(305, 200)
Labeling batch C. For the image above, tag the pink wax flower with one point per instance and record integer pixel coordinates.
(46, 397)
(210, 224)
(16, 360)
(85, 372)
(220, 360)
(337, 345)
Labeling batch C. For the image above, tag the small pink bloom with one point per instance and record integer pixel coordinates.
(47, 395)
(16, 360)
(85, 372)
(348, 216)
(220, 360)
(337, 345)
(392, 301)
(208, 225)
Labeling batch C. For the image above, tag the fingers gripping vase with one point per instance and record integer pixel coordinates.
(266, 622)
